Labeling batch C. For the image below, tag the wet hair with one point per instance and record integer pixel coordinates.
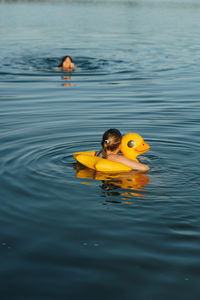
(63, 59)
(111, 139)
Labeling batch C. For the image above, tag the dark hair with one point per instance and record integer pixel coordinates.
(111, 139)
(63, 59)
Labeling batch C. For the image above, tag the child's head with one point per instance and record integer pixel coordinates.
(111, 140)
(67, 63)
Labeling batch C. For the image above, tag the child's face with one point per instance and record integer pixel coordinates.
(68, 64)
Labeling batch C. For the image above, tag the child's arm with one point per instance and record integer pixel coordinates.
(128, 162)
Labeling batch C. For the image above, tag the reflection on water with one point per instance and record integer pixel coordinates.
(114, 184)
(67, 78)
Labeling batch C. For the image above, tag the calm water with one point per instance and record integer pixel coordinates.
(69, 233)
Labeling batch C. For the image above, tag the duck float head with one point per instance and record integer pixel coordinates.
(132, 145)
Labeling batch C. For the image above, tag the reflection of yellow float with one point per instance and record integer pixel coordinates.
(126, 180)
(132, 145)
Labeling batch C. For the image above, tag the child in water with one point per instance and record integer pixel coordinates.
(111, 150)
(67, 64)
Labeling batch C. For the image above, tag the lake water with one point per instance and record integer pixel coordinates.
(67, 232)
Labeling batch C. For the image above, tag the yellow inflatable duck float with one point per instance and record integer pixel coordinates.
(132, 145)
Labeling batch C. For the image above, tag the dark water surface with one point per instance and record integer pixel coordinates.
(69, 233)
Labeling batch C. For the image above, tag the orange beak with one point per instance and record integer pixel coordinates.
(143, 147)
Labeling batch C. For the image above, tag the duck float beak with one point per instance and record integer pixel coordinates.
(133, 145)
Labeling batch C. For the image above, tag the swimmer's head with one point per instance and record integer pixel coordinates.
(111, 140)
(67, 63)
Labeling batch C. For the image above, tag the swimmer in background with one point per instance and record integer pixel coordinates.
(67, 64)
(111, 141)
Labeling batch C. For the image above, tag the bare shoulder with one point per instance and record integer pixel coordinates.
(114, 157)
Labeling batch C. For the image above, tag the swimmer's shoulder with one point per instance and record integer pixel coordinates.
(100, 154)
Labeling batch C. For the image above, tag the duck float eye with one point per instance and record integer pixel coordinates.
(130, 144)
